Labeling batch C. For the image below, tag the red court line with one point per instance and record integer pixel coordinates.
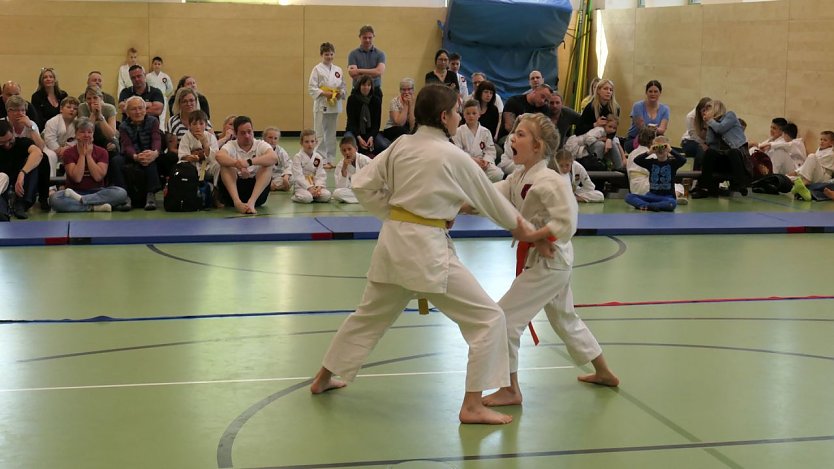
(704, 300)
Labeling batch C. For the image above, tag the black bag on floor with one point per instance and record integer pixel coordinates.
(136, 185)
(772, 184)
(182, 193)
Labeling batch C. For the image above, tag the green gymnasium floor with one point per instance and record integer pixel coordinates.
(722, 342)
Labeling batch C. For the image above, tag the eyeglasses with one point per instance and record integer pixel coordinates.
(407, 89)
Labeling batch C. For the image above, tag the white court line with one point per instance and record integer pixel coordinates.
(251, 380)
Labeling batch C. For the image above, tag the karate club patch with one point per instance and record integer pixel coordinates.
(338, 75)
(483, 145)
(316, 162)
(524, 190)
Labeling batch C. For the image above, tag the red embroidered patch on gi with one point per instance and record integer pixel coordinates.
(316, 162)
(483, 145)
(524, 190)
(338, 75)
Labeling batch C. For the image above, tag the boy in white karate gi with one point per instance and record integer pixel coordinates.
(308, 172)
(351, 163)
(545, 199)
(282, 171)
(475, 139)
(818, 169)
(327, 87)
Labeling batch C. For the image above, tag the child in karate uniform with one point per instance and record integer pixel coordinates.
(475, 139)
(282, 171)
(308, 172)
(351, 163)
(583, 188)
(545, 199)
(327, 87)
(417, 186)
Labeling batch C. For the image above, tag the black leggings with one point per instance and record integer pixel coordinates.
(729, 162)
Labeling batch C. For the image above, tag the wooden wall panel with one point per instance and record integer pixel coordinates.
(619, 32)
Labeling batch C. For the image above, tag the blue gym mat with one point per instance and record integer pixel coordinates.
(34, 233)
(197, 231)
(242, 229)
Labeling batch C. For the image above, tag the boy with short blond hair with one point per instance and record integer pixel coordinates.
(308, 171)
(282, 171)
(475, 139)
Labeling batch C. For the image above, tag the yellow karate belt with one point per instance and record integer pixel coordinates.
(401, 214)
(333, 98)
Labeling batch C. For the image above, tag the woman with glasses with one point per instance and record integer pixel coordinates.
(401, 112)
(186, 102)
(188, 81)
(47, 98)
(441, 73)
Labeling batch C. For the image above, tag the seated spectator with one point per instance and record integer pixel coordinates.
(488, 115)
(282, 171)
(441, 73)
(94, 79)
(10, 89)
(401, 112)
(479, 77)
(199, 147)
(364, 116)
(592, 91)
(227, 133)
(245, 168)
(152, 96)
(662, 169)
(308, 172)
(534, 101)
(47, 98)
(19, 160)
(23, 127)
(726, 153)
(598, 149)
(601, 106)
(648, 112)
(185, 103)
(564, 118)
(141, 147)
(765, 157)
(59, 133)
(638, 176)
(86, 168)
(187, 81)
(103, 116)
(583, 188)
(693, 141)
(161, 81)
(351, 163)
(476, 140)
(788, 154)
(817, 172)
(123, 77)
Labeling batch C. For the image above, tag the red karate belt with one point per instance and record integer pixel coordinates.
(520, 260)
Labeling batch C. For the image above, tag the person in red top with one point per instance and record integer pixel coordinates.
(86, 167)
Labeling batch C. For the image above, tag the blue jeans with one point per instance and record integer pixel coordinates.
(612, 155)
(112, 195)
(653, 202)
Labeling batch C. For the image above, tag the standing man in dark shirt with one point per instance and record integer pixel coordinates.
(154, 100)
(19, 160)
(367, 60)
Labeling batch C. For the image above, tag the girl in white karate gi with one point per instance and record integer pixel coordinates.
(327, 87)
(545, 199)
(308, 174)
(417, 186)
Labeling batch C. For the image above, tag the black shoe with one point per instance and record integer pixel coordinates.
(123, 208)
(724, 192)
(45, 204)
(699, 193)
(4, 217)
(20, 210)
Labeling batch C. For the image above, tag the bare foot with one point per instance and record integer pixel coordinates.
(483, 415)
(828, 193)
(241, 207)
(503, 396)
(250, 209)
(324, 381)
(603, 379)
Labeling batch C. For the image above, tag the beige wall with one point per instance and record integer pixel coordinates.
(252, 59)
(762, 59)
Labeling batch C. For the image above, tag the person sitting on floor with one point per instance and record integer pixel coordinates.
(141, 143)
(662, 169)
(282, 171)
(476, 140)
(638, 176)
(583, 188)
(351, 163)
(818, 170)
(245, 168)
(86, 167)
(19, 160)
(308, 172)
